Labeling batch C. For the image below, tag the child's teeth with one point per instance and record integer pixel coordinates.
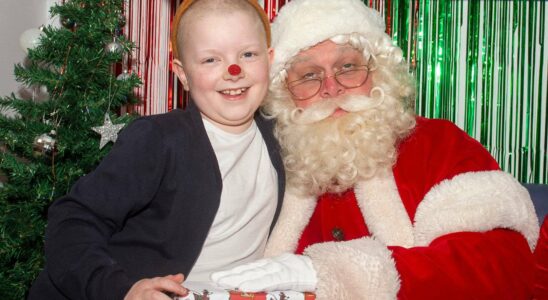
(234, 92)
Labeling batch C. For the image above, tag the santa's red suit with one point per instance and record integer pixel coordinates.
(541, 256)
(446, 223)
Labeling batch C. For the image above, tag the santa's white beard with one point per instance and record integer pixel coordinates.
(330, 154)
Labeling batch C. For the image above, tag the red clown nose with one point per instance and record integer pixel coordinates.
(234, 70)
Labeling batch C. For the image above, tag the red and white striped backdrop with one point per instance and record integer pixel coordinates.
(148, 26)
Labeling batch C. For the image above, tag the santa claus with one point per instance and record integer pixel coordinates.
(380, 204)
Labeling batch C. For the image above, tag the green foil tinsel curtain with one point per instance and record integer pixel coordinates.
(484, 66)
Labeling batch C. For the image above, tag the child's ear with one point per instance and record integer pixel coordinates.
(180, 72)
(270, 55)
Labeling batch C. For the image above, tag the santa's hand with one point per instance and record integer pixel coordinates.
(284, 272)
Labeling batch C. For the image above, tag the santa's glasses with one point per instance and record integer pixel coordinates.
(311, 84)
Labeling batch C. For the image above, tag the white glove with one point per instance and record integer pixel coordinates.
(284, 272)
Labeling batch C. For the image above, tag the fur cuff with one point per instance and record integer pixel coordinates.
(357, 269)
(476, 201)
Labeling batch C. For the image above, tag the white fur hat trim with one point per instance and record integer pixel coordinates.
(305, 23)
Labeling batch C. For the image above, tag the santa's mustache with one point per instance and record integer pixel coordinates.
(323, 109)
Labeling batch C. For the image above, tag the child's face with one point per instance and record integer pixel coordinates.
(212, 43)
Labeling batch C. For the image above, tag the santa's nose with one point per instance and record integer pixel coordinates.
(331, 88)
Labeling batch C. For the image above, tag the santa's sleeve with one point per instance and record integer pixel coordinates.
(473, 238)
(474, 226)
(466, 265)
(496, 264)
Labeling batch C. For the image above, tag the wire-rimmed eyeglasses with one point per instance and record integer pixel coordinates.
(306, 88)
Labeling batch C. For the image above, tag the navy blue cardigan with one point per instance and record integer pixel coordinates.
(144, 212)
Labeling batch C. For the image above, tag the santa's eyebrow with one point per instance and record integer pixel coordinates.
(347, 48)
(300, 59)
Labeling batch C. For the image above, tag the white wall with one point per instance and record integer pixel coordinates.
(16, 16)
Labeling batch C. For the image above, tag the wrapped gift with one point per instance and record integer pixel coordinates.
(208, 291)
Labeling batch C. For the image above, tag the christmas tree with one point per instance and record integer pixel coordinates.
(46, 145)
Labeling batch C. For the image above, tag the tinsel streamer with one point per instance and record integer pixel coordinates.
(460, 28)
(482, 64)
(148, 29)
(523, 88)
(541, 172)
(272, 7)
(388, 17)
(498, 148)
(399, 24)
(178, 96)
(422, 52)
(538, 90)
(502, 98)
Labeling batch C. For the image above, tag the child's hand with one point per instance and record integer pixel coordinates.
(157, 288)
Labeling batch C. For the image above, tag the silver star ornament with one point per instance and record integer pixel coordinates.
(108, 132)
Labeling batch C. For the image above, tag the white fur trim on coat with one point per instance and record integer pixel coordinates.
(383, 211)
(476, 201)
(294, 216)
(304, 23)
(357, 269)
